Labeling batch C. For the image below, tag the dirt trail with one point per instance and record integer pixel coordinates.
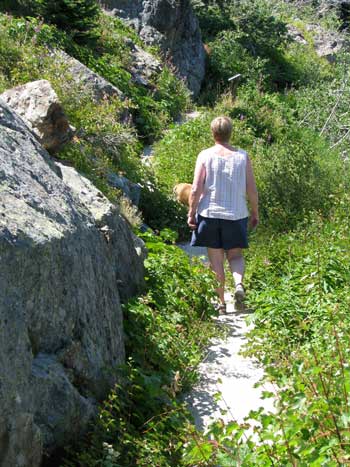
(225, 371)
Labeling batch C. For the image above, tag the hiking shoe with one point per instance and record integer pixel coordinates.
(221, 308)
(239, 293)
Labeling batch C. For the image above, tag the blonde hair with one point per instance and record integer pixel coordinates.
(221, 127)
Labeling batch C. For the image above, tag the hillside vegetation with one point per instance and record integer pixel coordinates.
(290, 112)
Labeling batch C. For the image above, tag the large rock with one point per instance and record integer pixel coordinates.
(172, 25)
(327, 44)
(130, 190)
(38, 104)
(144, 65)
(128, 269)
(66, 257)
(91, 82)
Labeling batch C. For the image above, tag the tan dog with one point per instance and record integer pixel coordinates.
(182, 192)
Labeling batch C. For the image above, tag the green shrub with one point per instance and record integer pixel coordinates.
(213, 19)
(172, 94)
(296, 176)
(295, 169)
(299, 287)
(160, 210)
(10, 55)
(77, 17)
(229, 57)
(251, 38)
(322, 106)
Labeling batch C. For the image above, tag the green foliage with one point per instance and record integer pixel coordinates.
(296, 172)
(322, 106)
(251, 38)
(295, 177)
(160, 210)
(172, 94)
(229, 57)
(102, 144)
(258, 30)
(300, 291)
(78, 17)
(176, 153)
(142, 422)
(212, 20)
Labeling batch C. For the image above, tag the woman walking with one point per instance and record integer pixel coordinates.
(218, 213)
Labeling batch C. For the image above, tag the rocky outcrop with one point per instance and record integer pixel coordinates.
(67, 257)
(122, 242)
(38, 104)
(327, 44)
(143, 65)
(130, 190)
(172, 25)
(96, 85)
(90, 82)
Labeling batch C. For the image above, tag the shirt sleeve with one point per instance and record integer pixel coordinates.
(199, 173)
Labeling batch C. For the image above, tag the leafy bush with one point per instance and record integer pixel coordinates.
(296, 171)
(102, 144)
(229, 57)
(252, 39)
(322, 106)
(160, 210)
(78, 17)
(296, 176)
(213, 19)
(142, 422)
(300, 292)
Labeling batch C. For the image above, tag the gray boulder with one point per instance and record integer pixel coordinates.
(38, 104)
(123, 243)
(143, 65)
(130, 189)
(327, 44)
(67, 257)
(172, 25)
(96, 85)
(90, 82)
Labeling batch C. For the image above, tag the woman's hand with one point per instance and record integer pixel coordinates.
(254, 220)
(191, 222)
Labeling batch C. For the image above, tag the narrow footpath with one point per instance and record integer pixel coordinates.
(225, 371)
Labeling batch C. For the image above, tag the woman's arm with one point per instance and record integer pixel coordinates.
(196, 192)
(252, 194)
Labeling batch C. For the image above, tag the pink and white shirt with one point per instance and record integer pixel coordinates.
(224, 184)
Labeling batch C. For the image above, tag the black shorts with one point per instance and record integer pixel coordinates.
(220, 233)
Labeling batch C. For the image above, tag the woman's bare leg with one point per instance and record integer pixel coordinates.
(216, 258)
(235, 259)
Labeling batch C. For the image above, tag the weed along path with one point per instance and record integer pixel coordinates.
(227, 373)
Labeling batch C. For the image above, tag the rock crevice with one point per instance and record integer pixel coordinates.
(172, 25)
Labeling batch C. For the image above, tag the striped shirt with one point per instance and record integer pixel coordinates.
(224, 189)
